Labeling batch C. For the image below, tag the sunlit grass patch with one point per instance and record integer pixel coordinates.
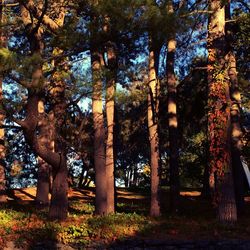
(116, 225)
(9, 216)
(80, 208)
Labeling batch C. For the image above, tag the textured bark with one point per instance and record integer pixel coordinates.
(110, 108)
(99, 135)
(43, 183)
(59, 195)
(46, 135)
(237, 134)
(153, 113)
(35, 10)
(219, 122)
(36, 44)
(3, 197)
(57, 159)
(173, 128)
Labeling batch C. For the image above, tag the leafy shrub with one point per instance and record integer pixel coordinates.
(74, 234)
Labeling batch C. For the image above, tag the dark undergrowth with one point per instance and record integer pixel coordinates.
(23, 223)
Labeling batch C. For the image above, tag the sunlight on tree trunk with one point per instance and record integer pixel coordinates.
(173, 128)
(59, 195)
(57, 159)
(153, 113)
(219, 122)
(99, 135)
(110, 107)
(43, 176)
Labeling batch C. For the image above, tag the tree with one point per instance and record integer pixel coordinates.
(235, 97)
(219, 122)
(110, 108)
(45, 137)
(153, 113)
(57, 159)
(172, 121)
(2, 114)
(98, 120)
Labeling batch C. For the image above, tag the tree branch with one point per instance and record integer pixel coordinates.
(46, 20)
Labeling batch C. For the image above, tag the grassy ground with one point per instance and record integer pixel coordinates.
(21, 222)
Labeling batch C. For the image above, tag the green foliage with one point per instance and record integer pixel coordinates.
(75, 234)
(80, 208)
(192, 160)
(51, 230)
(8, 59)
(114, 224)
(5, 217)
(8, 218)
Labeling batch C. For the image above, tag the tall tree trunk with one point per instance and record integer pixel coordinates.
(59, 203)
(237, 143)
(173, 128)
(59, 195)
(99, 135)
(110, 108)
(3, 197)
(37, 46)
(219, 122)
(59, 200)
(153, 113)
(46, 138)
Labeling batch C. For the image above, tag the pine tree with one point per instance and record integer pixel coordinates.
(172, 121)
(235, 97)
(97, 65)
(2, 115)
(153, 119)
(219, 122)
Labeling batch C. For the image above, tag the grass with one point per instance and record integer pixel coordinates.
(22, 223)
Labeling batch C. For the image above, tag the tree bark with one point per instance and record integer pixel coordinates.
(153, 113)
(173, 128)
(110, 108)
(59, 195)
(46, 136)
(111, 71)
(59, 200)
(219, 122)
(3, 197)
(237, 133)
(99, 135)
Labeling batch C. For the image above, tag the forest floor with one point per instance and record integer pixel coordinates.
(22, 223)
